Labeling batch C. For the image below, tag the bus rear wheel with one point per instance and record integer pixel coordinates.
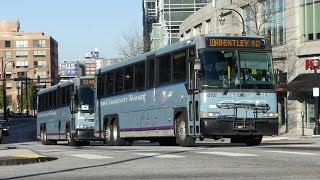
(115, 135)
(181, 133)
(253, 140)
(107, 133)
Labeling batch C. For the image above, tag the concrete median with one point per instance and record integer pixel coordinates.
(12, 156)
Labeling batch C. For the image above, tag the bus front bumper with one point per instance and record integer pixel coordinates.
(85, 134)
(228, 127)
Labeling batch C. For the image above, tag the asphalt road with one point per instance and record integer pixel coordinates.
(285, 159)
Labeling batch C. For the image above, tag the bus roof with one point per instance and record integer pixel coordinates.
(176, 46)
(63, 84)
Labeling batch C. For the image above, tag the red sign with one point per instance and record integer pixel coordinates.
(309, 64)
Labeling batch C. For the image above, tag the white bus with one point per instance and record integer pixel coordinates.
(66, 112)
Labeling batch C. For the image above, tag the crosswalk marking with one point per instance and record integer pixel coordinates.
(229, 154)
(158, 155)
(292, 152)
(90, 156)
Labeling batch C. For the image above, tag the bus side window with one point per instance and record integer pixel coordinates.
(139, 76)
(150, 73)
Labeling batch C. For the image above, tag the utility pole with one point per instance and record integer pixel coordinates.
(4, 91)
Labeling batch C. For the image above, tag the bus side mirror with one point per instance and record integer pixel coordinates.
(197, 64)
(197, 67)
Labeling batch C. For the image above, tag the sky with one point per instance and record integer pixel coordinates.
(78, 26)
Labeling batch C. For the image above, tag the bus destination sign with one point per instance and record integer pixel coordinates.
(220, 42)
(87, 82)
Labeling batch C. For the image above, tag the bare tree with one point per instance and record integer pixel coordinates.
(257, 14)
(133, 44)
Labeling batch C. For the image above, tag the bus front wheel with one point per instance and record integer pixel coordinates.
(71, 142)
(44, 136)
(0, 136)
(181, 133)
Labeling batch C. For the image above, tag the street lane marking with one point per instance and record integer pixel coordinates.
(158, 155)
(292, 152)
(90, 156)
(169, 156)
(27, 155)
(229, 154)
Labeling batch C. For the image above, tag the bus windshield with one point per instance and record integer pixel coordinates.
(86, 99)
(235, 69)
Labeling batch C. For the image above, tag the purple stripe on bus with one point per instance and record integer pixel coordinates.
(147, 128)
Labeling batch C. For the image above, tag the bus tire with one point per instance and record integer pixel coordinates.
(168, 142)
(44, 139)
(0, 136)
(107, 133)
(181, 133)
(253, 140)
(71, 142)
(115, 135)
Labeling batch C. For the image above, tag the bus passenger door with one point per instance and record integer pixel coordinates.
(193, 92)
(73, 111)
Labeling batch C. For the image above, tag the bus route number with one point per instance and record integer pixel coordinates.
(87, 82)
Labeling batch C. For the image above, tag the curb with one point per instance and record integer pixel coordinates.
(13, 156)
(9, 161)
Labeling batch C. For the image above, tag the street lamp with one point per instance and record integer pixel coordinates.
(315, 62)
(4, 93)
(222, 19)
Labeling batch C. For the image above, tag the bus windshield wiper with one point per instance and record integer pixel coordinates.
(256, 88)
(226, 90)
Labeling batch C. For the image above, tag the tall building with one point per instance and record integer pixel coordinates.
(162, 19)
(31, 55)
(294, 31)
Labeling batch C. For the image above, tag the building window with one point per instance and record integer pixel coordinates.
(197, 30)
(9, 85)
(8, 75)
(247, 20)
(8, 54)
(21, 64)
(21, 53)
(39, 53)
(21, 43)
(310, 17)
(39, 64)
(39, 43)
(9, 65)
(21, 74)
(42, 74)
(275, 28)
(7, 43)
(208, 27)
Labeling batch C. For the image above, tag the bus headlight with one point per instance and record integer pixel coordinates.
(210, 114)
(271, 114)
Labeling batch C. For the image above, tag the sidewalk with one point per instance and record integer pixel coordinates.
(289, 137)
(13, 156)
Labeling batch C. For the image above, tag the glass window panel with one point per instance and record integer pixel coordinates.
(317, 16)
(309, 21)
(179, 66)
(118, 81)
(302, 21)
(139, 76)
(128, 78)
(165, 69)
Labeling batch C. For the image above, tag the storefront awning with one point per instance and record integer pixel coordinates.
(304, 82)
